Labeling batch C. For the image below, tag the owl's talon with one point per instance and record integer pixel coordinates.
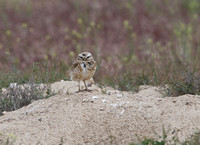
(79, 91)
(88, 90)
(83, 90)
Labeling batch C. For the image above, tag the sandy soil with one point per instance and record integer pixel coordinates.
(101, 117)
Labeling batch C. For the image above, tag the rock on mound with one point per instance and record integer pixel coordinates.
(102, 116)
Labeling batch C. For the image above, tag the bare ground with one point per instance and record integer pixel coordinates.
(105, 116)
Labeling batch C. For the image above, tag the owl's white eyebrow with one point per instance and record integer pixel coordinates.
(89, 54)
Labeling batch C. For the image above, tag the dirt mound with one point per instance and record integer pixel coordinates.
(105, 116)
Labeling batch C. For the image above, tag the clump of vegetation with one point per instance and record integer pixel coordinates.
(128, 81)
(186, 83)
(7, 140)
(20, 88)
(149, 142)
(194, 140)
(36, 73)
(17, 96)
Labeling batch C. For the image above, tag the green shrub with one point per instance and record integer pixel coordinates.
(187, 83)
(149, 142)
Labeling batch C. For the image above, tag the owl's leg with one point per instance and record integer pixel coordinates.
(86, 89)
(79, 88)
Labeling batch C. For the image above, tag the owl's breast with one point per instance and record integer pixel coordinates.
(87, 73)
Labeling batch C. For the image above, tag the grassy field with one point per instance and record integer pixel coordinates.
(134, 42)
(148, 42)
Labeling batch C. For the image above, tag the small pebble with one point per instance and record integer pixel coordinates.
(95, 97)
(67, 99)
(122, 112)
(101, 109)
(12, 85)
(84, 100)
(104, 101)
(119, 95)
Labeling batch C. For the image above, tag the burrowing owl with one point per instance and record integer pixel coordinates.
(83, 69)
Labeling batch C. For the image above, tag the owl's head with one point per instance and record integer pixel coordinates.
(85, 56)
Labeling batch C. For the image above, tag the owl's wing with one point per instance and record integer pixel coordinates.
(94, 66)
(75, 65)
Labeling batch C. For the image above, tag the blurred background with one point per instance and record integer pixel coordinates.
(125, 36)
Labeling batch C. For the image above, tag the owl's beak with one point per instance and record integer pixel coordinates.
(84, 65)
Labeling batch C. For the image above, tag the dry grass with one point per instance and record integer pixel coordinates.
(17, 96)
(152, 41)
